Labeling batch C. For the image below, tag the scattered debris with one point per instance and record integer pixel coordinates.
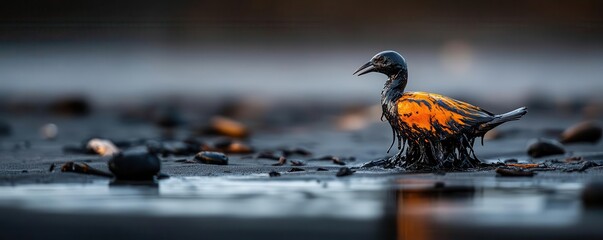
(296, 170)
(321, 169)
(344, 171)
(274, 174)
(208, 157)
(589, 131)
(49, 131)
(544, 147)
(83, 168)
(51, 168)
(134, 165)
(297, 163)
(281, 161)
(513, 172)
(102, 147)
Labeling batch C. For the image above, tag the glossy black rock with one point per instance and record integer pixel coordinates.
(135, 165)
(212, 158)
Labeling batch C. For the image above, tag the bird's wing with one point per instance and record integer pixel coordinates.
(428, 113)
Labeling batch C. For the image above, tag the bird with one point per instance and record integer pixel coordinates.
(434, 132)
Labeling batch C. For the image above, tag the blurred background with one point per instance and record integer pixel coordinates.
(498, 54)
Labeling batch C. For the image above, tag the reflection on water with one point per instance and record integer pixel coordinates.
(423, 208)
(425, 212)
(197, 196)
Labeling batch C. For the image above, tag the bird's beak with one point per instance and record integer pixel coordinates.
(367, 67)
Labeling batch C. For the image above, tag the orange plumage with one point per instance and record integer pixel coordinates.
(439, 131)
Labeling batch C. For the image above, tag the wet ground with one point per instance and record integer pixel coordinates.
(241, 200)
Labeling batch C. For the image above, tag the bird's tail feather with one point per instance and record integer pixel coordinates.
(505, 117)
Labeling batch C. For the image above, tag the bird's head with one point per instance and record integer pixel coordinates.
(389, 63)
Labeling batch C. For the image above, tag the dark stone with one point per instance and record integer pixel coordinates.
(589, 132)
(135, 165)
(321, 169)
(544, 147)
(274, 174)
(344, 171)
(212, 158)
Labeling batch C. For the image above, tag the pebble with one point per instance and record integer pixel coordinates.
(344, 171)
(228, 127)
(274, 174)
(134, 165)
(216, 158)
(321, 169)
(233, 146)
(588, 132)
(102, 147)
(544, 147)
(49, 131)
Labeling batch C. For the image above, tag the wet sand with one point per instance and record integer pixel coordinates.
(241, 200)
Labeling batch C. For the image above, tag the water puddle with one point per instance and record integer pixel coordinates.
(403, 208)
